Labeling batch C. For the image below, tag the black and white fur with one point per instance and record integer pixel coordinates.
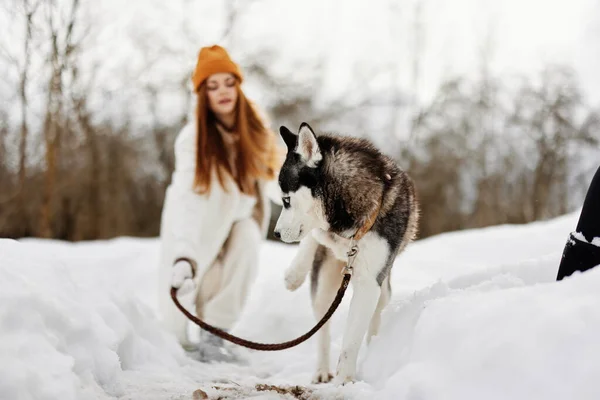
(331, 185)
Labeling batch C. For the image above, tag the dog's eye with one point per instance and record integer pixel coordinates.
(286, 201)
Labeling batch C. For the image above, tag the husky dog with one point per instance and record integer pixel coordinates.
(332, 186)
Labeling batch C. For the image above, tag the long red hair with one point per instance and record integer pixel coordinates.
(258, 155)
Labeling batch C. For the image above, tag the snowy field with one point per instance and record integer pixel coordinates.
(475, 315)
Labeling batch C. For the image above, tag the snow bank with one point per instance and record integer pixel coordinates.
(493, 340)
(68, 339)
(474, 315)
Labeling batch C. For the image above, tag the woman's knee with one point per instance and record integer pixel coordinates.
(247, 230)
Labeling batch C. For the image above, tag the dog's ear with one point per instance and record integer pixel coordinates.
(308, 147)
(290, 139)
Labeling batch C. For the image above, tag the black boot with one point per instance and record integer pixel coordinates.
(579, 254)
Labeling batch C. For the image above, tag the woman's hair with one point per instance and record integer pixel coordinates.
(257, 156)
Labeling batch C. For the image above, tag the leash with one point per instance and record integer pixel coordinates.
(266, 346)
(347, 272)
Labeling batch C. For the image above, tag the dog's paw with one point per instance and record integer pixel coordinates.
(342, 379)
(294, 279)
(322, 377)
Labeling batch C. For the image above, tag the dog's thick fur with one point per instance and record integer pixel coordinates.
(331, 185)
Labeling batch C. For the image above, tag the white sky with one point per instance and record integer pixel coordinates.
(356, 38)
(526, 35)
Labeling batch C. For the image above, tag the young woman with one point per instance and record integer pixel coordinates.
(216, 209)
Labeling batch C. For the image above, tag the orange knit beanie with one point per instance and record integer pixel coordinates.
(212, 60)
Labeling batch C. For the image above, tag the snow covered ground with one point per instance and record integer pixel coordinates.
(475, 315)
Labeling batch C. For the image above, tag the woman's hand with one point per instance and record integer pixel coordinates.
(182, 277)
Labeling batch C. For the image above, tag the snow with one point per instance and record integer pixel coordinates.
(579, 236)
(475, 314)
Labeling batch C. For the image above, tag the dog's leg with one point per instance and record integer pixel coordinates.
(384, 299)
(370, 260)
(301, 264)
(337, 244)
(325, 280)
(362, 306)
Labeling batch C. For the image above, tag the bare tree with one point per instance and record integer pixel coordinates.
(548, 114)
(233, 10)
(417, 48)
(482, 154)
(4, 173)
(487, 115)
(60, 52)
(29, 9)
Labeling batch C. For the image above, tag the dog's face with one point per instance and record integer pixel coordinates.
(298, 179)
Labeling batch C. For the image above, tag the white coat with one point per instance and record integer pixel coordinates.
(196, 226)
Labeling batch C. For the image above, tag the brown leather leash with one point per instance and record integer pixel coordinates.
(267, 346)
(347, 271)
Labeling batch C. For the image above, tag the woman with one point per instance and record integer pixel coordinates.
(216, 212)
(582, 250)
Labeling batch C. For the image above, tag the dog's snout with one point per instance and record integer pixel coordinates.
(277, 234)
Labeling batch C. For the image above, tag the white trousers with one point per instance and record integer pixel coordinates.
(224, 287)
